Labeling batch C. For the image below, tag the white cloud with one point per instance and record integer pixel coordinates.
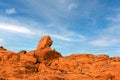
(14, 28)
(69, 38)
(115, 18)
(59, 32)
(72, 6)
(109, 36)
(65, 34)
(62, 1)
(2, 41)
(60, 37)
(10, 11)
(103, 42)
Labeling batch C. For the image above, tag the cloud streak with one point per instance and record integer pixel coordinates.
(103, 42)
(109, 36)
(71, 37)
(15, 28)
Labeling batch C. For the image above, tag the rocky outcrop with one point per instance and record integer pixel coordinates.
(2, 48)
(44, 53)
(44, 42)
(47, 64)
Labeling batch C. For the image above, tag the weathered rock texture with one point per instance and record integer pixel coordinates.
(47, 64)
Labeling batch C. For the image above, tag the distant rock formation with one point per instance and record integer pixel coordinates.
(43, 53)
(47, 64)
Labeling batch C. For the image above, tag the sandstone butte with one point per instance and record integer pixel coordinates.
(45, 63)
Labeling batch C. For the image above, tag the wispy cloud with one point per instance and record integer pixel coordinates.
(72, 6)
(60, 33)
(103, 42)
(2, 41)
(15, 28)
(115, 19)
(10, 11)
(60, 10)
(70, 37)
(109, 36)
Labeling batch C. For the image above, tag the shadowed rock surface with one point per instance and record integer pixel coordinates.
(47, 64)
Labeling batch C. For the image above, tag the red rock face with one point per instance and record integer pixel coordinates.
(47, 64)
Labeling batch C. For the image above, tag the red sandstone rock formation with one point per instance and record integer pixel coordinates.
(44, 53)
(47, 64)
(44, 42)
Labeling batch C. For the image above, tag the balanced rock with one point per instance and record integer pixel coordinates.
(44, 53)
(44, 42)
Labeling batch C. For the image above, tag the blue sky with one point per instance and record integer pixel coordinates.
(76, 26)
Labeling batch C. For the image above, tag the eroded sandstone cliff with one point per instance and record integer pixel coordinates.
(47, 64)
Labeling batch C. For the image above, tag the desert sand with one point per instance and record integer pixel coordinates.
(45, 63)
